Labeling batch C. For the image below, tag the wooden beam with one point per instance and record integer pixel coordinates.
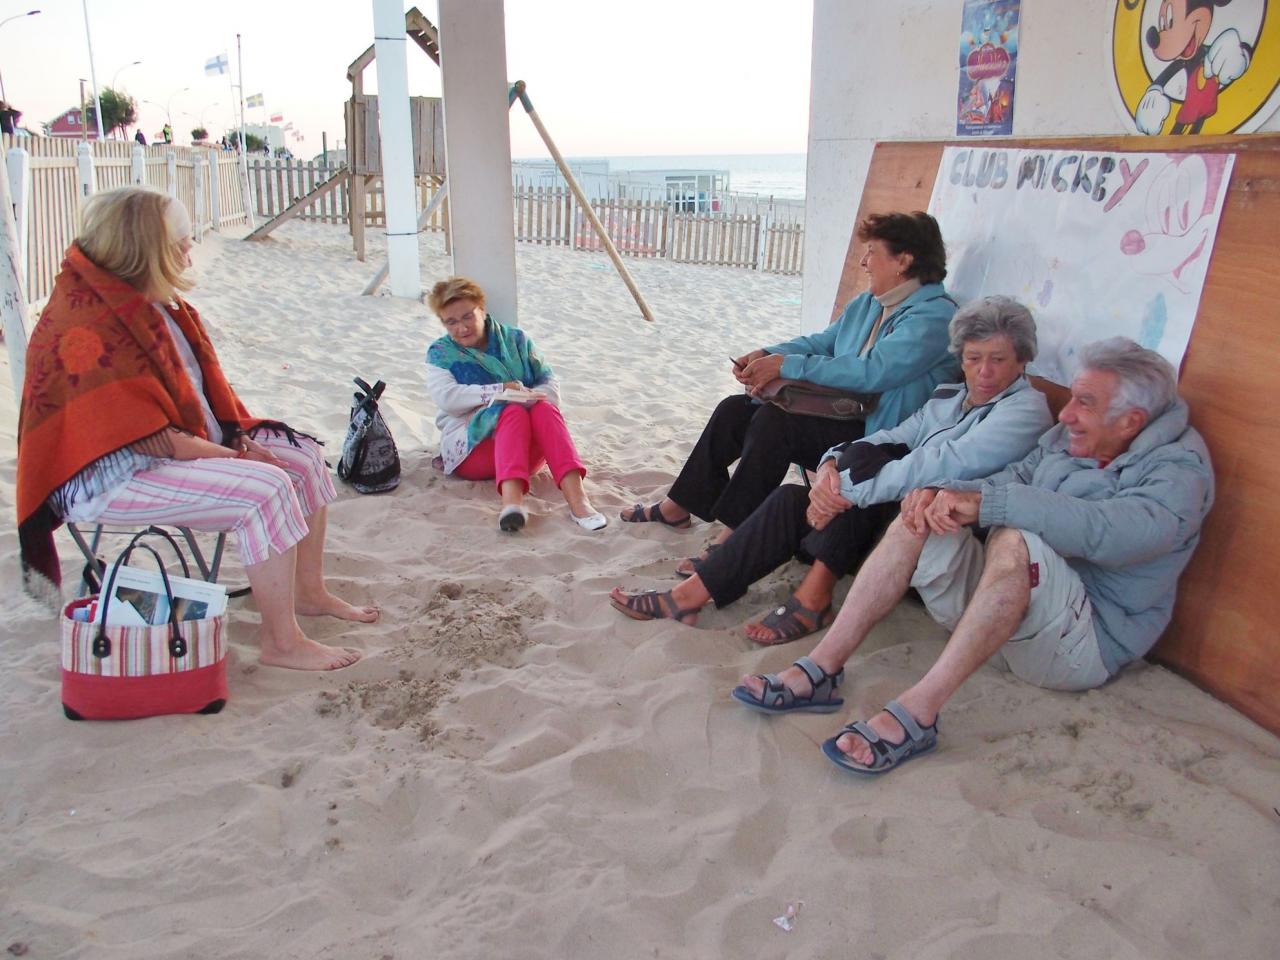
(298, 205)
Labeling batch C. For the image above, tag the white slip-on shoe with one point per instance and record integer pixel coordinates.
(592, 521)
(512, 518)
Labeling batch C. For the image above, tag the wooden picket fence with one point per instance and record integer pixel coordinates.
(276, 184)
(50, 199)
(755, 240)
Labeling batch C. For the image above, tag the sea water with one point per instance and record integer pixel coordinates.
(778, 175)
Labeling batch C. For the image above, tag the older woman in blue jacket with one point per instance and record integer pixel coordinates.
(890, 340)
(966, 430)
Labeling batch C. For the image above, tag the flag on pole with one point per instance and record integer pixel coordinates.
(216, 65)
(277, 117)
(288, 126)
(253, 101)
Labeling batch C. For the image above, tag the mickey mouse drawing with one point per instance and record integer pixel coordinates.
(1179, 39)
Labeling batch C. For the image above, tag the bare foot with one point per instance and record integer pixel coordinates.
(789, 625)
(327, 605)
(652, 605)
(307, 654)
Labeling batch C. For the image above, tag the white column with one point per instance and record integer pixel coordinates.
(171, 172)
(478, 149)
(20, 196)
(84, 170)
(197, 183)
(215, 193)
(246, 198)
(396, 132)
(138, 166)
(13, 295)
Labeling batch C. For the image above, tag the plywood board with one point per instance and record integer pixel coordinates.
(1225, 633)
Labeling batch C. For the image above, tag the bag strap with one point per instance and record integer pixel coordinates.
(102, 643)
(373, 393)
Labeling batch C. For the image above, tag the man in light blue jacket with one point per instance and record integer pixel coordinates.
(1077, 577)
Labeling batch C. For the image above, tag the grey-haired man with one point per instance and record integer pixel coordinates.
(1075, 579)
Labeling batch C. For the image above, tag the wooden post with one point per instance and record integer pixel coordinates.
(171, 172)
(20, 194)
(423, 218)
(13, 295)
(215, 191)
(137, 165)
(359, 184)
(84, 170)
(197, 185)
(518, 90)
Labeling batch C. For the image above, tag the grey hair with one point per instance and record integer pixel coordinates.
(1146, 380)
(995, 316)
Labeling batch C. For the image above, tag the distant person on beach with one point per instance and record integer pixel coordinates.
(128, 419)
(499, 407)
(167, 132)
(890, 341)
(966, 430)
(1075, 577)
(140, 137)
(8, 118)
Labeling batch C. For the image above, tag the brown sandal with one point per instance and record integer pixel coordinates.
(786, 624)
(651, 605)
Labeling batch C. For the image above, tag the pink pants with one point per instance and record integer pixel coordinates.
(264, 506)
(526, 437)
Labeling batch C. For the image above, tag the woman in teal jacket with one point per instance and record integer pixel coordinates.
(891, 340)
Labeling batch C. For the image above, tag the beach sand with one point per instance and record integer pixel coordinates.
(514, 770)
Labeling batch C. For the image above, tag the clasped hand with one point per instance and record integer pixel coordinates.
(753, 370)
(825, 501)
(930, 510)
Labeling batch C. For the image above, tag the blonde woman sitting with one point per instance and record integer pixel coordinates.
(499, 407)
(127, 418)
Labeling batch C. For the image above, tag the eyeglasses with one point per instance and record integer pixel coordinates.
(458, 322)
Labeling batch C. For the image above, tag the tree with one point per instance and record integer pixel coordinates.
(119, 110)
(199, 133)
(254, 141)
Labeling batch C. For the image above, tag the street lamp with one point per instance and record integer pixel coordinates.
(116, 75)
(206, 110)
(168, 103)
(16, 16)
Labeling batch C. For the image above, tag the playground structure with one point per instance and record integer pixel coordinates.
(364, 157)
(364, 146)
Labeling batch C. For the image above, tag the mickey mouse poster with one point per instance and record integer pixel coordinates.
(1196, 66)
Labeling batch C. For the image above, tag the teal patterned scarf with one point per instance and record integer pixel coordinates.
(508, 355)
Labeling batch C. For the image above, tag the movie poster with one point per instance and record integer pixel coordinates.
(988, 65)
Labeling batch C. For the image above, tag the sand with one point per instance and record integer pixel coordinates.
(516, 771)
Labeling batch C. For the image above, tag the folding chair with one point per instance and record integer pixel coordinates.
(95, 567)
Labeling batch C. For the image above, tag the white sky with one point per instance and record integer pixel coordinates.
(607, 77)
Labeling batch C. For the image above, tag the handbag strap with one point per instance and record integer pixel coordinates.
(373, 393)
(177, 644)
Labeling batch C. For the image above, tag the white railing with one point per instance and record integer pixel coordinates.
(50, 179)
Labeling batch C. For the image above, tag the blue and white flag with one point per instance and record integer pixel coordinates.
(216, 65)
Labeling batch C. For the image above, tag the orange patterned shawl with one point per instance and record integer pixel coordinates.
(102, 373)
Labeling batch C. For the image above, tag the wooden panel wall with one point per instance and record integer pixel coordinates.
(1225, 633)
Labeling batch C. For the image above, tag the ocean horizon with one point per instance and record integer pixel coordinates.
(778, 175)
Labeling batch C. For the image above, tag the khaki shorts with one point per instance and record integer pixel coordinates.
(1054, 646)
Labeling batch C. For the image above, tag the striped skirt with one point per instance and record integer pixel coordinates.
(264, 506)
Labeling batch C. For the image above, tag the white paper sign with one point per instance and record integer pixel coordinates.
(1096, 244)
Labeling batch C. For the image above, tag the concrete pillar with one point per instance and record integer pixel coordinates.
(13, 295)
(215, 191)
(197, 184)
(396, 131)
(138, 165)
(478, 149)
(84, 171)
(20, 197)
